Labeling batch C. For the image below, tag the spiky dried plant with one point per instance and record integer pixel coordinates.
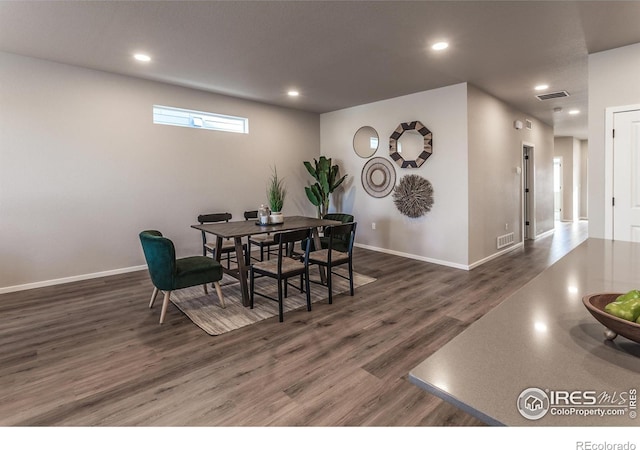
(413, 196)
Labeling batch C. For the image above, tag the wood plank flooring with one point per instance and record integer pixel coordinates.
(92, 353)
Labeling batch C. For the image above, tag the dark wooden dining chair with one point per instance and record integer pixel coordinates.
(335, 254)
(261, 240)
(282, 268)
(169, 274)
(340, 242)
(228, 246)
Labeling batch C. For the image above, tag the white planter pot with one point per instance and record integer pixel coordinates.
(276, 218)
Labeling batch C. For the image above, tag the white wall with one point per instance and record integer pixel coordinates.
(473, 169)
(613, 81)
(83, 169)
(583, 212)
(442, 234)
(495, 187)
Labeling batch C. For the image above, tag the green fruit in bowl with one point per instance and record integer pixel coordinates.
(626, 306)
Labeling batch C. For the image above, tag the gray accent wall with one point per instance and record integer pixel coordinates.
(473, 170)
(495, 186)
(83, 169)
(440, 235)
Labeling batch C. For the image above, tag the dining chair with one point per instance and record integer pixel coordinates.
(261, 240)
(228, 246)
(340, 242)
(169, 274)
(282, 268)
(334, 255)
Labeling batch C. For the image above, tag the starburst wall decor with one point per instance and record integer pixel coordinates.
(413, 196)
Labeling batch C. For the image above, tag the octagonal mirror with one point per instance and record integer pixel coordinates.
(410, 144)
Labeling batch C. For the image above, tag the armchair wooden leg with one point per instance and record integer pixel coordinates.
(219, 291)
(206, 291)
(153, 297)
(165, 304)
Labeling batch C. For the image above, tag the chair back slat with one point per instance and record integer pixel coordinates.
(214, 217)
(291, 236)
(160, 254)
(251, 215)
(341, 217)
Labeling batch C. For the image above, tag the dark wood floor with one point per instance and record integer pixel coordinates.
(92, 353)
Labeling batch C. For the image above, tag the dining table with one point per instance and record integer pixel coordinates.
(237, 230)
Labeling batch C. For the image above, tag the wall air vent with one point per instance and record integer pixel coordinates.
(551, 95)
(528, 124)
(505, 240)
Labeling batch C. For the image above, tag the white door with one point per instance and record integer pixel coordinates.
(626, 176)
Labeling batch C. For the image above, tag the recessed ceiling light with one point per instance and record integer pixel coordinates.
(573, 112)
(541, 87)
(293, 93)
(142, 57)
(440, 45)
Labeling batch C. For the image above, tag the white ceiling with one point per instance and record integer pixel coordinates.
(338, 54)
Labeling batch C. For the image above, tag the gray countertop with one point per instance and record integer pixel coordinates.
(543, 337)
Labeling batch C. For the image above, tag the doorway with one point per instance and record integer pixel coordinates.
(557, 188)
(528, 214)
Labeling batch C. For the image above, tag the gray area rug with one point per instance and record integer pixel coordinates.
(205, 310)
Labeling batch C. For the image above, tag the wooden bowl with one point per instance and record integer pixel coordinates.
(595, 303)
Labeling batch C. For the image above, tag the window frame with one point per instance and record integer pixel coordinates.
(200, 120)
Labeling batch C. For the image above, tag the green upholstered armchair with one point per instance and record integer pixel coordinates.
(168, 273)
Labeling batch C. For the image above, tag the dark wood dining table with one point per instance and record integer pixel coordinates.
(239, 229)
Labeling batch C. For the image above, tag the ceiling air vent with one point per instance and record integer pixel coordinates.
(551, 95)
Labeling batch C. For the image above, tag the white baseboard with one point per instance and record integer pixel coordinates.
(495, 255)
(411, 256)
(545, 234)
(440, 262)
(87, 276)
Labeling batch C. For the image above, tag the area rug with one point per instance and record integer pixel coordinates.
(205, 310)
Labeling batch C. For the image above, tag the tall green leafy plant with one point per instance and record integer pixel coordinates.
(327, 180)
(276, 192)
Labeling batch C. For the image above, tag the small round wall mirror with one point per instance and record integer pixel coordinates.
(365, 142)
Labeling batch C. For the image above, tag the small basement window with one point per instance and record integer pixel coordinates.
(167, 115)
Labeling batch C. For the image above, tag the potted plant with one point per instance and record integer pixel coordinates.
(276, 193)
(326, 176)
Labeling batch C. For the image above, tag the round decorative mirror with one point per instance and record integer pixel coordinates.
(378, 177)
(365, 142)
(410, 144)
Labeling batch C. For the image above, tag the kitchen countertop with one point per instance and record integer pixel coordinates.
(542, 343)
